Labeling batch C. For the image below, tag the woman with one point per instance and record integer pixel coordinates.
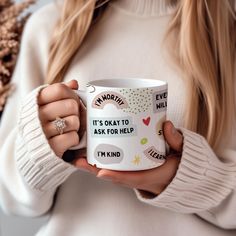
(194, 191)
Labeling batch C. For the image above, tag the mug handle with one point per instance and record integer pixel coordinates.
(82, 96)
(83, 101)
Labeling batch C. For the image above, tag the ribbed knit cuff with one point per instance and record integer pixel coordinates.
(202, 181)
(35, 159)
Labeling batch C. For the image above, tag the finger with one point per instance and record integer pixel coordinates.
(62, 108)
(129, 178)
(57, 91)
(72, 124)
(172, 136)
(82, 164)
(73, 84)
(153, 180)
(63, 142)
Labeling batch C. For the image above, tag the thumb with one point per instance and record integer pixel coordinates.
(172, 136)
(72, 84)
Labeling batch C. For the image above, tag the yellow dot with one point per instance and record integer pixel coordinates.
(144, 141)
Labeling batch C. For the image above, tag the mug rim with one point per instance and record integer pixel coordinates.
(128, 83)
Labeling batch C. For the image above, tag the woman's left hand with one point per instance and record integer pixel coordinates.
(153, 180)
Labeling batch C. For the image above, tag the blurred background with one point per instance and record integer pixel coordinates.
(20, 226)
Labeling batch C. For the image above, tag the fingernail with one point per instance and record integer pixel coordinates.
(173, 130)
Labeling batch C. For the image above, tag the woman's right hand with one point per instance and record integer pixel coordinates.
(59, 100)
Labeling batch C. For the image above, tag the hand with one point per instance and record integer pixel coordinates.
(154, 180)
(59, 100)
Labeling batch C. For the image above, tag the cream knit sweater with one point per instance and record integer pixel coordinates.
(126, 42)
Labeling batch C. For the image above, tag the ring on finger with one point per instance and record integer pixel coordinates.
(60, 124)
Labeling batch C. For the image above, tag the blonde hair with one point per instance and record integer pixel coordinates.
(71, 29)
(204, 51)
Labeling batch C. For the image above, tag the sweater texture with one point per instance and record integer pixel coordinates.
(127, 42)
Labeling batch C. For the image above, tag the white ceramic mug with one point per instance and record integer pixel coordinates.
(124, 123)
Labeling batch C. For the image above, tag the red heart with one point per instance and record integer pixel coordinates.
(147, 120)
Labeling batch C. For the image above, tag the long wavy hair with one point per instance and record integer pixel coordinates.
(202, 42)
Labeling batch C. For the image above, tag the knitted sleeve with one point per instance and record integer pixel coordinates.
(30, 172)
(204, 183)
